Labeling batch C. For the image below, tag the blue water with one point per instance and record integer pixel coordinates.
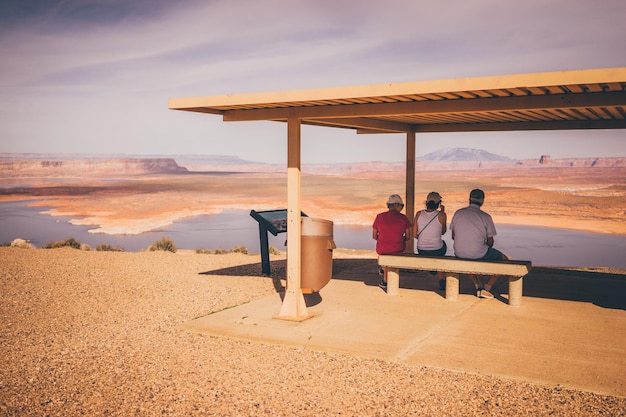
(223, 231)
(541, 245)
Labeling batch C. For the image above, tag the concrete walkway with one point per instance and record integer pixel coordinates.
(570, 329)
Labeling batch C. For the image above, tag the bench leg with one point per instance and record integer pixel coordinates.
(393, 280)
(452, 286)
(515, 291)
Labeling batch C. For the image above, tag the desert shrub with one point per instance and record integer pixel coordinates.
(105, 247)
(85, 247)
(165, 244)
(240, 249)
(71, 242)
(236, 249)
(273, 250)
(21, 243)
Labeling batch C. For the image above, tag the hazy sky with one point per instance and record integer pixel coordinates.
(91, 76)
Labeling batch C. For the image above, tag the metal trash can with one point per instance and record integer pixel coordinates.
(317, 254)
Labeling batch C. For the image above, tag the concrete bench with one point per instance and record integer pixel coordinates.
(452, 267)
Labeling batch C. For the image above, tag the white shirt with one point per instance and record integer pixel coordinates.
(471, 227)
(429, 236)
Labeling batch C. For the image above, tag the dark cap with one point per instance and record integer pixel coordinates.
(433, 196)
(477, 193)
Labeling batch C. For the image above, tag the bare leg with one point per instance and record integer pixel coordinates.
(442, 280)
(475, 280)
(492, 280)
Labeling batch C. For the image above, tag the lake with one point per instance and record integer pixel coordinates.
(541, 245)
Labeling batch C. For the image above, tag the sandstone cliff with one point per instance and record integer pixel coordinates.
(439, 165)
(33, 165)
(594, 162)
(57, 168)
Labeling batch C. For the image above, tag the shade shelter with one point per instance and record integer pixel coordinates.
(585, 99)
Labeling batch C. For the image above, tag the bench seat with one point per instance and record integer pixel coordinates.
(452, 267)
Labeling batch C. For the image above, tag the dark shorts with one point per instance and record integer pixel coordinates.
(437, 252)
(491, 255)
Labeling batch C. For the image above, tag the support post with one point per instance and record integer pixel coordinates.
(393, 280)
(410, 186)
(515, 291)
(265, 253)
(452, 286)
(294, 305)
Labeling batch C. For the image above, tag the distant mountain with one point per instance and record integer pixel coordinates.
(462, 154)
(193, 159)
(62, 156)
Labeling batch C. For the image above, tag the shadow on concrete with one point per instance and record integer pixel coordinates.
(278, 274)
(601, 288)
(604, 288)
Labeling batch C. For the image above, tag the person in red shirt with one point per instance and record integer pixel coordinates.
(391, 230)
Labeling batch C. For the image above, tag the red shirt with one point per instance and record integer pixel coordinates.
(391, 226)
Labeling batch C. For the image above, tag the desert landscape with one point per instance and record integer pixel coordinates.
(135, 196)
(97, 333)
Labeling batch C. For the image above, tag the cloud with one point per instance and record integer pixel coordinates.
(93, 74)
(275, 43)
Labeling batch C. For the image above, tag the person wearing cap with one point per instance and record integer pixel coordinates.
(391, 230)
(473, 231)
(428, 227)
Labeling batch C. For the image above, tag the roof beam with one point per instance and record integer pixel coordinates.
(509, 126)
(433, 107)
(207, 110)
(360, 123)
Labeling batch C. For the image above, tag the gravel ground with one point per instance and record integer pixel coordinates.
(95, 333)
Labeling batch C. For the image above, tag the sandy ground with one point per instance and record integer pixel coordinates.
(96, 333)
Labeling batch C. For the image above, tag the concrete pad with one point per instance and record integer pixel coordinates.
(572, 344)
(350, 317)
(575, 344)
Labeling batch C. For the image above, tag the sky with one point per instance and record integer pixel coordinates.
(89, 76)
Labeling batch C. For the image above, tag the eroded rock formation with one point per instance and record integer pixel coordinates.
(123, 166)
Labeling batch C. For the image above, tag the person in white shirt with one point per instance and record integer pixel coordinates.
(473, 231)
(428, 227)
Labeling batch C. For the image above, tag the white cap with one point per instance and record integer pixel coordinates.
(395, 199)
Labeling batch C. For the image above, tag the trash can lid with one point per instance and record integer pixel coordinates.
(316, 227)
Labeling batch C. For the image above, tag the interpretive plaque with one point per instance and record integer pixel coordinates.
(275, 222)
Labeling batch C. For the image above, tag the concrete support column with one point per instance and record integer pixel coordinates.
(515, 291)
(393, 280)
(294, 305)
(452, 286)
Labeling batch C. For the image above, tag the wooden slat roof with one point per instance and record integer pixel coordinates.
(586, 99)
